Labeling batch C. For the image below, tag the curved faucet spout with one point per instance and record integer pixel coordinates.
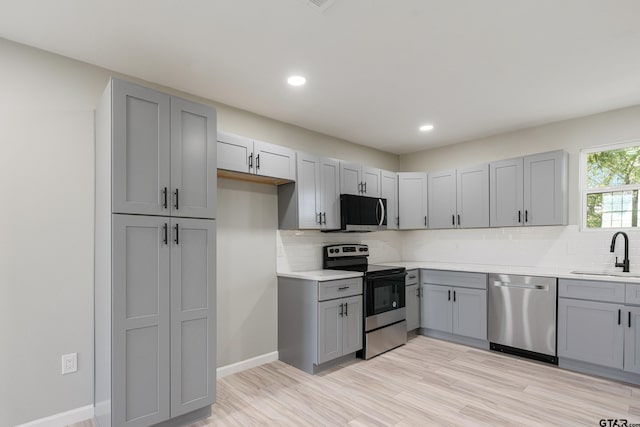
(625, 263)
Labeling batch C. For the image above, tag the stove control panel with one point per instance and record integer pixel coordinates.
(346, 250)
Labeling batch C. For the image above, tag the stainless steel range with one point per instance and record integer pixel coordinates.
(385, 326)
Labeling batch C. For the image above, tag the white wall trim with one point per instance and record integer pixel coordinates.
(63, 418)
(243, 365)
(86, 412)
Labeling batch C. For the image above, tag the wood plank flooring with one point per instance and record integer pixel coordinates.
(426, 382)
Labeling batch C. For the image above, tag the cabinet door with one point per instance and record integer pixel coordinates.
(436, 308)
(329, 330)
(235, 152)
(371, 181)
(470, 313)
(274, 160)
(545, 189)
(589, 331)
(352, 328)
(308, 187)
(506, 193)
(350, 178)
(412, 302)
(473, 197)
(193, 159)
(141, 150)
(389, 191)
(330, 193)
(140, 334)
(442, 199)
(412, 200)
(632, 340)
(193, 317)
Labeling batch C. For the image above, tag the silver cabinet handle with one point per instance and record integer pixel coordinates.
(341, 310)
(365, 188)
(324, 215)
(250, 160)
(343, 288)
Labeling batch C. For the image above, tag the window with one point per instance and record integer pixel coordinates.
(611, 181)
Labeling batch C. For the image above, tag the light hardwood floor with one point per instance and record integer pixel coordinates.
(426, 382)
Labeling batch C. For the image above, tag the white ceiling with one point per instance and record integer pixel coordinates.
(376, 69)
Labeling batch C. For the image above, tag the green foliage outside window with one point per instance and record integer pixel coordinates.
(613, 168)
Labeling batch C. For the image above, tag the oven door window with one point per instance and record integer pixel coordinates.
(385, 294)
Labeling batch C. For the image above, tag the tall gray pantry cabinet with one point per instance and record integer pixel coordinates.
(155, 260)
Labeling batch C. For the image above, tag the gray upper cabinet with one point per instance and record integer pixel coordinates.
(241, 154)
(313, 200)
(412, 200)
(590, 331)
(193, 159)
(193, 316)
(389, 191)
(359, 180)
(234, 152)
(545, 188)
(442, 199)
(530, 190)
(371, 179)
(506, 193)
(330, 193)
(140, 319)
(140, 133)
(459, 198)
(164, 156)
(472, 185)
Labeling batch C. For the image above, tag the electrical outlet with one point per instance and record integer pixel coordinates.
(69, 363)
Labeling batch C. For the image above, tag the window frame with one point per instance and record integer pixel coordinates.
(584, 191)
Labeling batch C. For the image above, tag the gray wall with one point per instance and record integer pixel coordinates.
(46, 238)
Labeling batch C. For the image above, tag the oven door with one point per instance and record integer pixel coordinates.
(384, 293)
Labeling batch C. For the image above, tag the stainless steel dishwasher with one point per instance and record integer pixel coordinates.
(522, 316)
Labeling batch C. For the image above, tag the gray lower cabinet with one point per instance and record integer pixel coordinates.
(599, 323)
(162, 318)
(457, 310)
(589, 331)
(339, 328)
(164, 152)
(632, 340)
(318, 321)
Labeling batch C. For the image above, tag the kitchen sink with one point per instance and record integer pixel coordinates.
(606, 273)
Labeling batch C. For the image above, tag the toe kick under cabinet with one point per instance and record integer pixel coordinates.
(320, 323)
(155, 258)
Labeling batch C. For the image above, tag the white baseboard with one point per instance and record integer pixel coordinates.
(63, 419)
(86, 412)
(243, 365)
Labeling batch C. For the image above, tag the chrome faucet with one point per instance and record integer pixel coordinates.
(624, 264)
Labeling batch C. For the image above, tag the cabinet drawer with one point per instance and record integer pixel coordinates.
(454, 278)
(339, 288)
(412, 277)
(633, 294)
(591, 290)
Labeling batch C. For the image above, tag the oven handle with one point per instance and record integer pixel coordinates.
(400, 276)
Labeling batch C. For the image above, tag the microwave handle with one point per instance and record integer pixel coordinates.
(383, 212)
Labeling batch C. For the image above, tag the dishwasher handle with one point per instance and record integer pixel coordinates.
(521, 285)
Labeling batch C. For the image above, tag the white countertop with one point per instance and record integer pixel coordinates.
(563, 273)
(321, 275)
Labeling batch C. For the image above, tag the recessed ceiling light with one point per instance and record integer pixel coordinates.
(296, 80)
(426, 128)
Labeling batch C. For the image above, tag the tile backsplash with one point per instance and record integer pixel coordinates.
(549, 247)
